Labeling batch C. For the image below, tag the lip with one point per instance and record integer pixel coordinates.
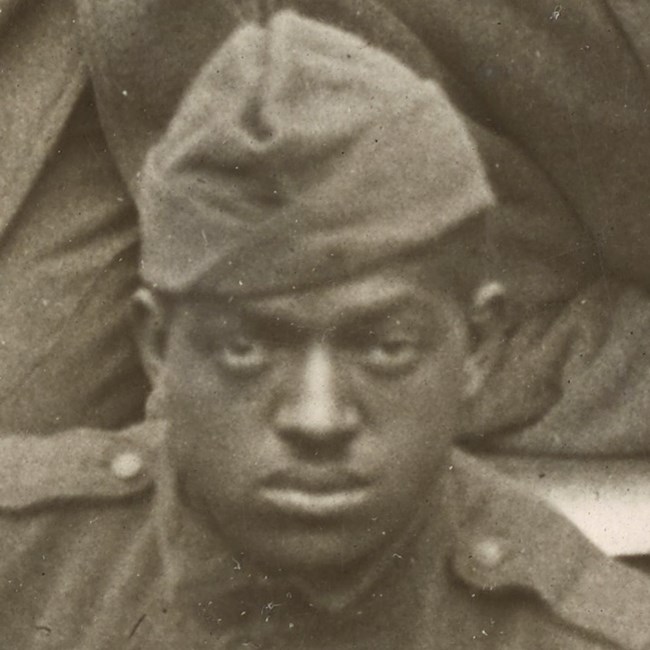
(315, 504)
(316, 494)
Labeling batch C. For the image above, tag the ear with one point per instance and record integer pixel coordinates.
(149, 319)
(488, 324)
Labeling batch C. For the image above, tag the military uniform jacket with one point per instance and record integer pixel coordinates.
(98, 553)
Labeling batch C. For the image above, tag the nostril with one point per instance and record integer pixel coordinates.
(318, 424)
(318, 444)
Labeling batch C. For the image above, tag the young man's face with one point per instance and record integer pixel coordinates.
(312, 427)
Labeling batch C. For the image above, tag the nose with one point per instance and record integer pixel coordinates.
(318, 414)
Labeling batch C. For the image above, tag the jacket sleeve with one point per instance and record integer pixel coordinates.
(570, 85)
(42, 76)
(68, 237)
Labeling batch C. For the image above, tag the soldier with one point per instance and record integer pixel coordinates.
(313, 345)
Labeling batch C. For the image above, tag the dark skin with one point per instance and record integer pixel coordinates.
(311, 428)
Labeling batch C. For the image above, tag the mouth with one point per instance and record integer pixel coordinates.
(316, 496)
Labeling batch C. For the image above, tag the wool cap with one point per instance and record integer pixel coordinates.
(299, 155)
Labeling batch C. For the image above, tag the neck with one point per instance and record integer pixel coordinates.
(335, 588)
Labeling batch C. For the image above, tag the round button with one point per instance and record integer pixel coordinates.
(489, 552)
(126, 465)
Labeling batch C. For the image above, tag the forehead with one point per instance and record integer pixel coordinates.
(392, 291)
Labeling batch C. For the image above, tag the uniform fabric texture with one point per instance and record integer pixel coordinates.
(507, 575)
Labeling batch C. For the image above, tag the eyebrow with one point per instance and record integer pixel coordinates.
(372, 311)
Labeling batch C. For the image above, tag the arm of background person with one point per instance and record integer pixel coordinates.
(68, 237)
(569, 82)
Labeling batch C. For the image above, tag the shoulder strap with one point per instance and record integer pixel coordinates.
(77, 464)
(508, 535)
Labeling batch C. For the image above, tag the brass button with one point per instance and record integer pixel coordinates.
(489, 552)
(126, 465)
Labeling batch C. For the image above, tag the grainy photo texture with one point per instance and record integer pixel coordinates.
(324, 324)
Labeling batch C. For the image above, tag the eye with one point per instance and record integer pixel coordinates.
(243, 354)
(392, 355)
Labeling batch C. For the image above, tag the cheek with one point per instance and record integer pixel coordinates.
(218, 425)
(432, 395)
(415, 420)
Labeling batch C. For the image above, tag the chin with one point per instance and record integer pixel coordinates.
(313, 550)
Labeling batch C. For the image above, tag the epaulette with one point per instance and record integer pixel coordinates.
(512, 534)
(77, 465)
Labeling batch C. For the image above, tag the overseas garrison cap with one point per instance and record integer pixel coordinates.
(299, 155)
